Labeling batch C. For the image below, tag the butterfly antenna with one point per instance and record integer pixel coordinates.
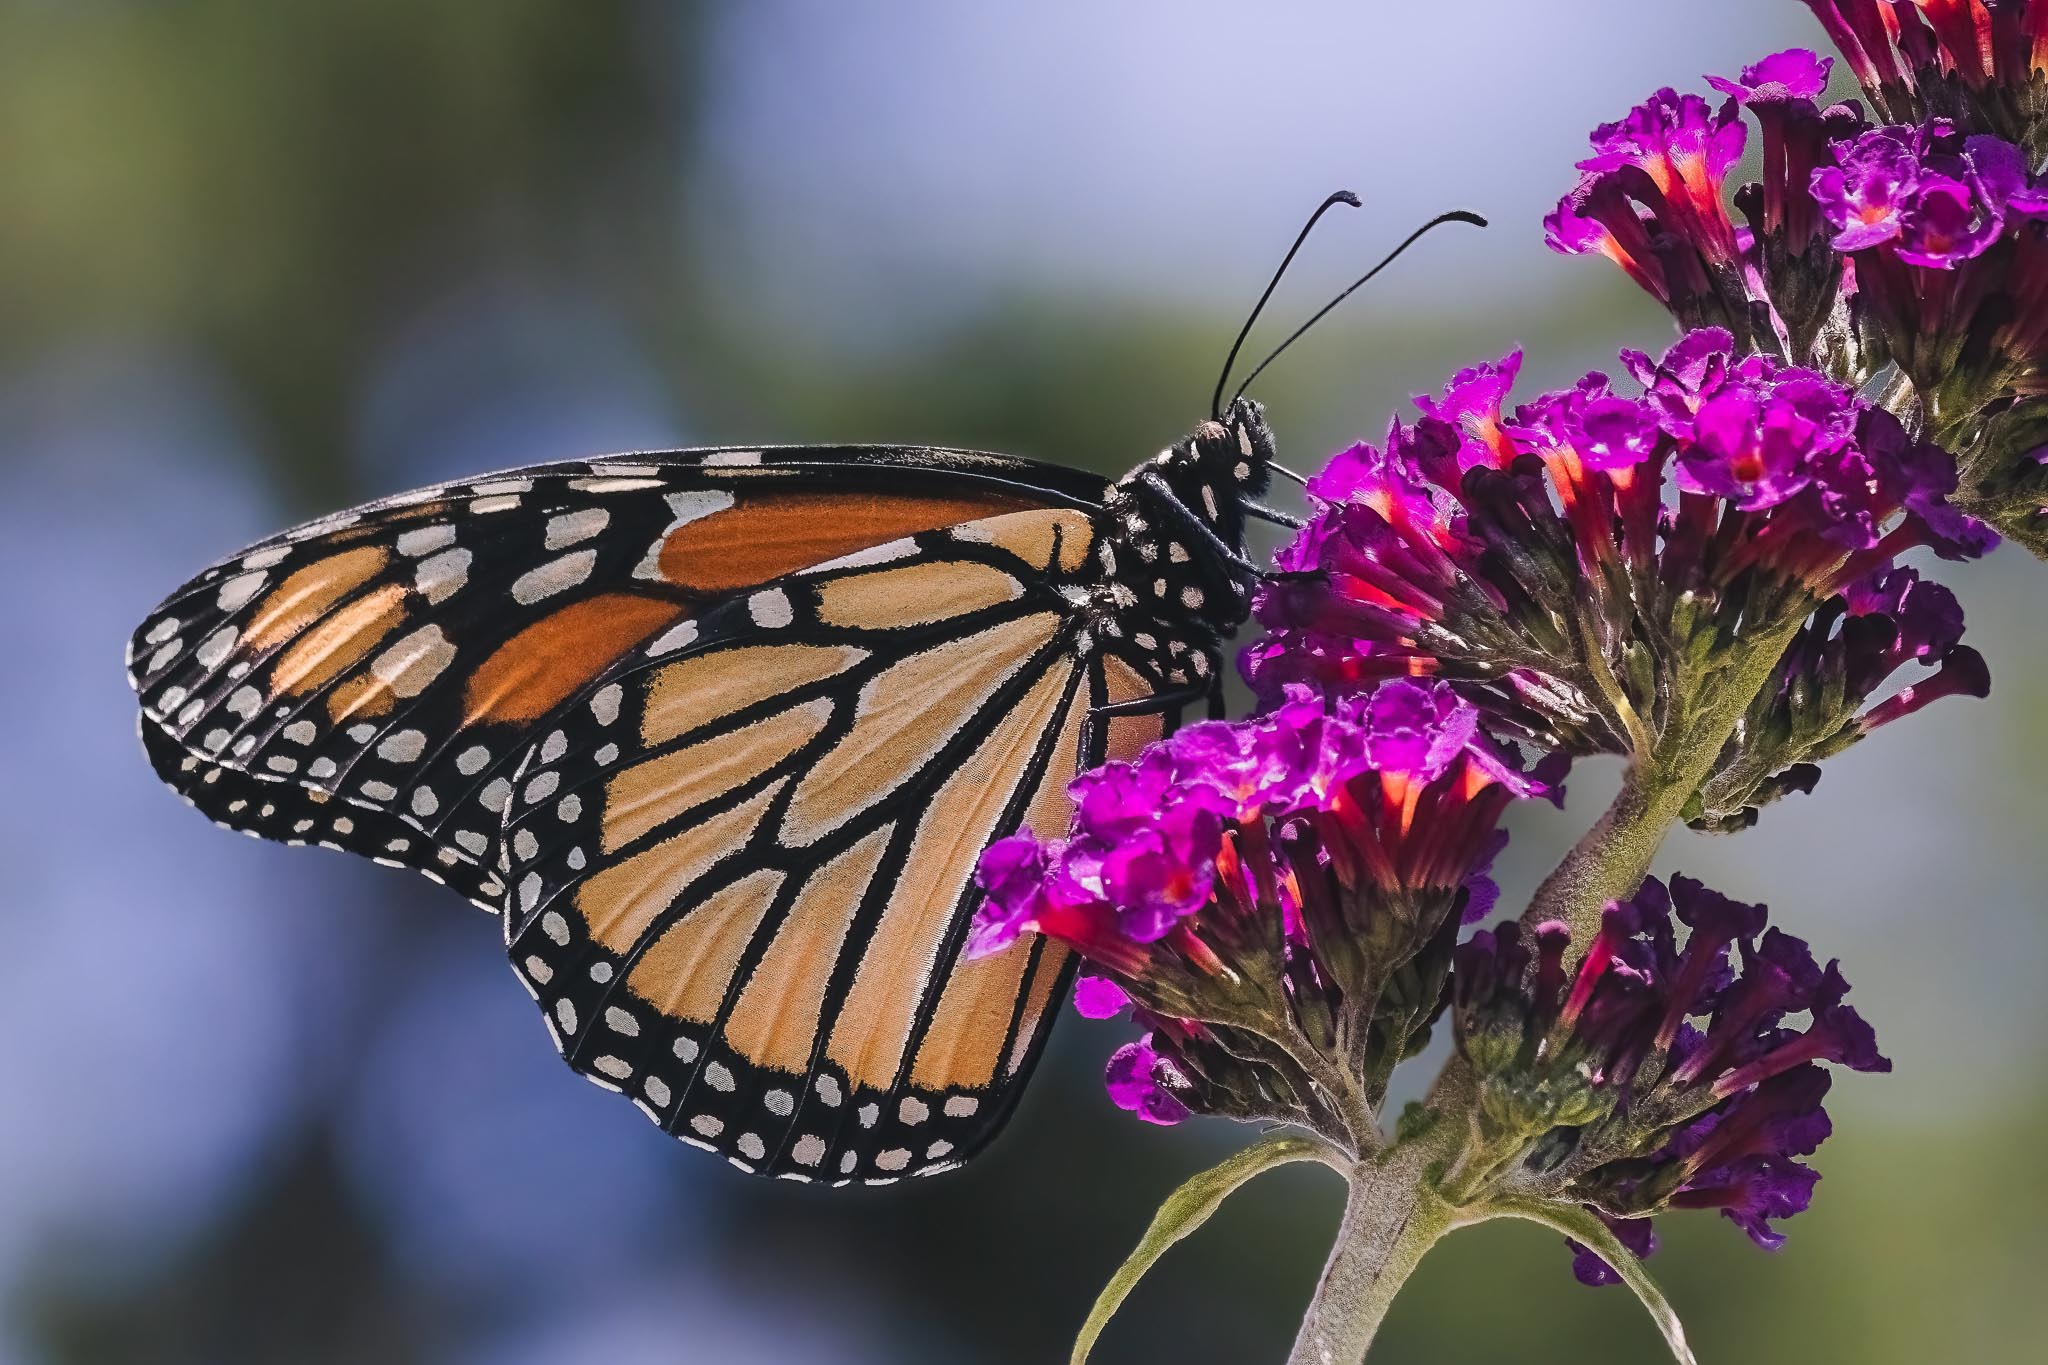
(1279, 468)
(1454, 216)
(1340, 197)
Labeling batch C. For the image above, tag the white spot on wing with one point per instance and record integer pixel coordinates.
(236, 592)
(415, 661)
(423, 540)
(682, 633)
(693, 505)
(573, 528)
(216, 646)
(442, 576)
(770, 608)
(263, 559)
(885, 553)
(402, 746)
(554, 576)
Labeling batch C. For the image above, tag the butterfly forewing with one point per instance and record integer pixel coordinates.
(371, 681)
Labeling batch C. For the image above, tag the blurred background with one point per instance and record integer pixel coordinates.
(258, 261)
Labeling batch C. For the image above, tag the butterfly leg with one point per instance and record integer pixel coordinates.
(1200, 529)
(1094, 731)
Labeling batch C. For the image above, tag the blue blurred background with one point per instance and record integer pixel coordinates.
(260, 260)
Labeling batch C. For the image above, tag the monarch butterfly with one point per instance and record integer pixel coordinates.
(720, 735)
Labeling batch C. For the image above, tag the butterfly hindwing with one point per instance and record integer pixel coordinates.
(371, 680)
(741, 878)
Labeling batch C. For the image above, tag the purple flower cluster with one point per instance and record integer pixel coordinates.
(1293, 857)
(1892, 619)
(1948, 233)
(1920, 241)
(1148, 839)
(1501, 551)
(1818, 702)
(1945, 57)
(1657, 1074)
(1936, 197)
(1652, 199)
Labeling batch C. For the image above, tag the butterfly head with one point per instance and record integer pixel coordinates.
(1214, 471)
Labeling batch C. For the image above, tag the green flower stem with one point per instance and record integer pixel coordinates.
(1390, 1219)
(1610, 862)
(1186, 1209)
(1392, 1216)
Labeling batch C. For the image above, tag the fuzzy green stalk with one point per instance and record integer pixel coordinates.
(1391, 1218)
(1610, 862)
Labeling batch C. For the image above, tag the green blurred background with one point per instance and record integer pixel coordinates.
(261, 259)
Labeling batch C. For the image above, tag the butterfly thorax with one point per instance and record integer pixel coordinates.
(1177, 545)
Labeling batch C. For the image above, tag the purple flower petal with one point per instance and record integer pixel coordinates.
(1136, 1079)
(1097, 997)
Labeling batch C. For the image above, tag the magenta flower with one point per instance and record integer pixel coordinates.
(1679, 150)
(1782, 92)
(1827, 691)
(1434, 565)
(1936, 198)
(1651, 199)
(1752, 452)
(1963, 59)
(1318, 846)
(1471, 405)
(1948, 234)
(1868, 195)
